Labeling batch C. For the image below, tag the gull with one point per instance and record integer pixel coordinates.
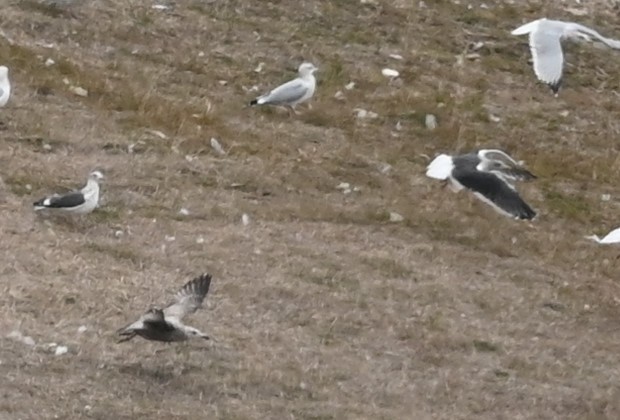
(165, 325)
(5, 86)
(545, 44)
(486, 172)
(293, 92)
(79, 202)
(612, 237)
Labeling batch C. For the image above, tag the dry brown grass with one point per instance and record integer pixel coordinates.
(321, 308)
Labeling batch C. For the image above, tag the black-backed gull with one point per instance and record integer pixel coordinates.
(79, 202)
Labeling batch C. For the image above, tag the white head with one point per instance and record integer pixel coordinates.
(306, 69)
(4, 72)
(95, 176)
(195, 333)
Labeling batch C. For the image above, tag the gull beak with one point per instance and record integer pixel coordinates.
(205, 337)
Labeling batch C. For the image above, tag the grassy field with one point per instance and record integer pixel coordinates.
(320, 307)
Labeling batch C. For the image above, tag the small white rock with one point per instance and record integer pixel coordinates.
(349, 85)
(223, 82)
(118, 233)
(259, 68)
(343, 186)
(396, 56)
(200, 240)
(47, 147)
(49, 62)
(79, 91)
(60, 350)
(160, 7)
(217, 147)
(494, 118)
(184, 211)
(605, 197)
(169, 238)
(430, 121)
(395, 217)
(391, 73)
(245, 219)
(82, 329)
(339, 96)
(29, 341)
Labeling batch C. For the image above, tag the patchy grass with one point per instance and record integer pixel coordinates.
(320, 308)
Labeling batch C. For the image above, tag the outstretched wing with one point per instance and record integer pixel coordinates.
(548, 57)
(72, 199)
(189, 298)
(497, 193)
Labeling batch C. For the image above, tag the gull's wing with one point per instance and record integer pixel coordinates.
(289, 92)
(612, 43)
(548, 59)
(69, 200)
(527, 28)
(504, 166)
(189, 298)
(495, 192)
(153, 319)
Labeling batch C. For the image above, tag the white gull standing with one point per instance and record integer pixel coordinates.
(79, 202)
(545, 38)
(291, 93)
(165, 325)
(5, 86)
(487, 173)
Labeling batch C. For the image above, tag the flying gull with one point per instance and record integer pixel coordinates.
(487, 173)
(612, 237)
(545, 44)
(293, 92)
(79, 202)
(5, 86)
(165, 325)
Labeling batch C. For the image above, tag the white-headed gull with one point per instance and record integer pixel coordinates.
(293, 92)
(545, 44)
(486, 172)
(79, 202)
(165, 325)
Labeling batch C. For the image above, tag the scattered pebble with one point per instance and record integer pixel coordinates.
(158, 134)
(259, 68)
(349, 85)
(160, 7)
(396, 56)
(217, 147)
(49, 62)
(384, 168)
(430, 121)
(362, 113)
(343, 186)
(391, 73)
(395, 217)
(18, 336)
(605, 197)
(245, 219)
(494, 118)
(223, 82)
(60, 350)
(184, 211)
(118, 233)
(339, 96)
(169, 238)
(82, 329)
(79, 91)
(200, 240)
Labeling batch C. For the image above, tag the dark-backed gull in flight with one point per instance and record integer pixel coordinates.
(5, 86)
(79, 202)
(165, 325)
(545, 44)
(293, 92)
(487, 173)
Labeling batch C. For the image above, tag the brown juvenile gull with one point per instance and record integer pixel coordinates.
(165, 325)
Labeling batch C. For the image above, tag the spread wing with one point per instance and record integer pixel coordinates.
(287, 93)
(72, 199)
(497, 193)
(548, 57)
(189, 298)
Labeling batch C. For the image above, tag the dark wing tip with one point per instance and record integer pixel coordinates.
(526, 212)
(555, 87)
(39, 203)
(253, 102)
(199, 286)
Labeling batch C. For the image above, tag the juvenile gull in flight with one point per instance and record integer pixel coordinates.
(487, 173)
(5, 86)
(545, 44)
(165, 325)
(79, 202)
(293, 92)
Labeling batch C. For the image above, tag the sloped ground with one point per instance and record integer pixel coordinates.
(320, 307)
